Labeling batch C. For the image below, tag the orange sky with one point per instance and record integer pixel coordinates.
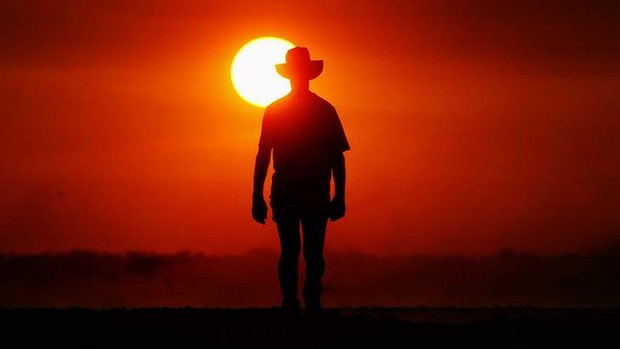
(473, 126)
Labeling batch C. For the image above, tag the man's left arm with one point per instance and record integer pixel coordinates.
(338, 144)
(338, 207)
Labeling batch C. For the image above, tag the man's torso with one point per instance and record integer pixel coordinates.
(305, 133)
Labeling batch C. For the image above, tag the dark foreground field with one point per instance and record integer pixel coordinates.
(519, 327)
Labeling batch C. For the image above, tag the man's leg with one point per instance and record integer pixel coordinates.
(314, 239)
(290, 246)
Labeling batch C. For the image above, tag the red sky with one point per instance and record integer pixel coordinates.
(473, 125)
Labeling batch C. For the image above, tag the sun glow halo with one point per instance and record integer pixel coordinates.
(253, 71)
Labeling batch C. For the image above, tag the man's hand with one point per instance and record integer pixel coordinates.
(337, 209)
(259, 209)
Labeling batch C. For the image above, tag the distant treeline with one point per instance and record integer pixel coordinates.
(92, 279)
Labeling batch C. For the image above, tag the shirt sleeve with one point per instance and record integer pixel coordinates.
(339, 142)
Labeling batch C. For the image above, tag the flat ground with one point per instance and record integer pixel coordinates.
(512, 327)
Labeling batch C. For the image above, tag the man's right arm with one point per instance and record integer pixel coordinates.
(259, 206)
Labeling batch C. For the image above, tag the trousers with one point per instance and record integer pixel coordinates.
(313, 229)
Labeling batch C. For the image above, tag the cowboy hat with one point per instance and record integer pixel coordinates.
(299, 65)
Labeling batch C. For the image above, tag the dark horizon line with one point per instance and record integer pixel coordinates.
(610, 249)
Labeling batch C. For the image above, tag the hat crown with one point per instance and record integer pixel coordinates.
(299, 65)
(297, 55)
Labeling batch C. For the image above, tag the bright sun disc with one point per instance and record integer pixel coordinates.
(253, 71)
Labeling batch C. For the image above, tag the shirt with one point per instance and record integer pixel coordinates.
(306, 135)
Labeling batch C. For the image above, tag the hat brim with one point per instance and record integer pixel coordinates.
(309, 70)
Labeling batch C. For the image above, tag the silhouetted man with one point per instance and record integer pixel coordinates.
(307, 139)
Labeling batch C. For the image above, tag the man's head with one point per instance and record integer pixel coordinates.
(299, 66)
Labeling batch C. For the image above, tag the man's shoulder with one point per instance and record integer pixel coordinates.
(278, 105)
(290, 103)
(274, 105)
(322, 101)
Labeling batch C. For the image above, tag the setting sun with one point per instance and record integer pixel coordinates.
(253, 70)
